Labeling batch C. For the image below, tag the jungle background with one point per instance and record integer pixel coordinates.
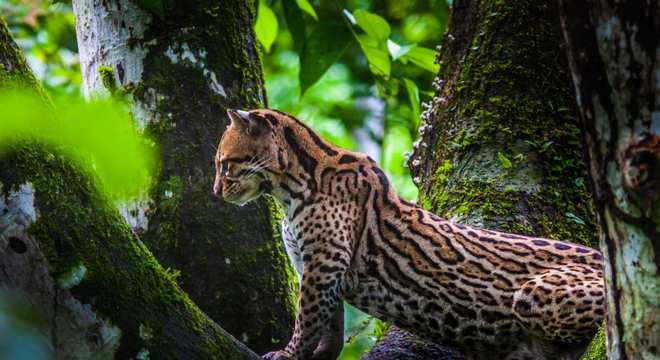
(107, 223)
(359, 97)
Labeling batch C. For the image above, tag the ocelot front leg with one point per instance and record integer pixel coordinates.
(319, 322)
(332, 339)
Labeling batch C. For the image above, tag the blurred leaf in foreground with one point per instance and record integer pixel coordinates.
(99, 136)
(21, 335)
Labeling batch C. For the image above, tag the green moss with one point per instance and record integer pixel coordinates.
(107, 75)
(14, 71)
(486, 203)
(598, 348)
(511, 96)
(228, 256)
(171, 194)
(123, 281)
(277, 214)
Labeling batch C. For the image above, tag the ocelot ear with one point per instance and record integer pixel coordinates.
(244, 121)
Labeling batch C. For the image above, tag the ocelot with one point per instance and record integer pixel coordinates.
(490, 294)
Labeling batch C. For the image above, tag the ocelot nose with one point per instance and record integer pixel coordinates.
(217, 187)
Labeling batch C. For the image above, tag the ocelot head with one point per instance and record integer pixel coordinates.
(249, 161)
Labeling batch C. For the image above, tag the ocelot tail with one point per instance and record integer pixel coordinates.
(490, 294)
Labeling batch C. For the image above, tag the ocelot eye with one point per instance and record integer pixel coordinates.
(224, 168)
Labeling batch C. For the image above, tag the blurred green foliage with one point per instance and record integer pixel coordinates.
(98, 135)
(21, 330)
(354, 70)
(46, 32)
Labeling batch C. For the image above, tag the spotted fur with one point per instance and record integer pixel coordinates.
(350, 237)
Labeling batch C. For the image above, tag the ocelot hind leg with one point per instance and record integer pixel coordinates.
(562, 305)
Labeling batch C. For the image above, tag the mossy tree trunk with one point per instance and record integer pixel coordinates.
(183, 64)
(614, 55)
(14, 71)
(500, 144)
(64, 248)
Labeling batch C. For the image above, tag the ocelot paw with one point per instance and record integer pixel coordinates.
(328, 349)
(278, 355)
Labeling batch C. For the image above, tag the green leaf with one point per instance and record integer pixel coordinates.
(376, 54)
(295, 22)
(413, 96)
(423, 57)
(396, 50)
(266, 26)
(504, 161)
(322, 48)
(305, 6)
(372, 24)
(374, 41)
(152, 6)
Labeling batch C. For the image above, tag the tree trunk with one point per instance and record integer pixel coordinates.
(614, 55)
(183, 66)
(501, 147)
(14, 71)
(99, 290)
(500, 144)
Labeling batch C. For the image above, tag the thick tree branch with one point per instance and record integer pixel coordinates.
(65, 248)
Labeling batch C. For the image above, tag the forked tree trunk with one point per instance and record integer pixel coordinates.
(183, 66)
(614, 54)
(64, 248)
(500, 145)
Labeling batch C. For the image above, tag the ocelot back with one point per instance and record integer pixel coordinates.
(349, 236)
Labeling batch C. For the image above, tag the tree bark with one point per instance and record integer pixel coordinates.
(14, 71)
(182, 67)
(99, 290)
(500, 145)
(614, 55)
